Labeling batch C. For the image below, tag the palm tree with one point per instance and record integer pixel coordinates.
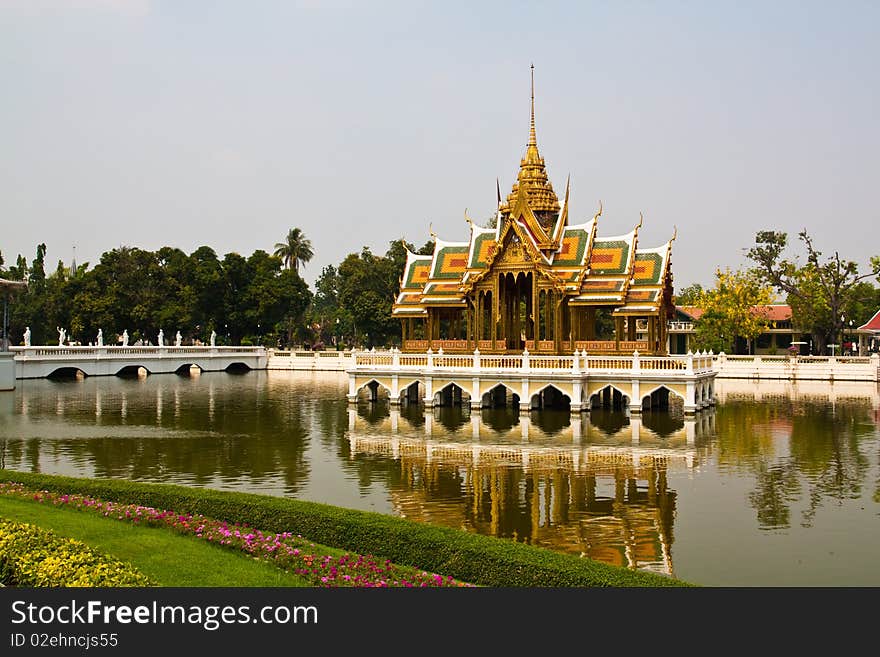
(294, 250)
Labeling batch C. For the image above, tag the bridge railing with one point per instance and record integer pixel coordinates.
(330, 360)
(394, 361)
(826, 368)
(81, 352)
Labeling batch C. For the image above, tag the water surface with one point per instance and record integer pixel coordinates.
(779, 485)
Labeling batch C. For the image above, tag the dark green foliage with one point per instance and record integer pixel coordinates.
(242, 299)
(367, 286)
(467, 557)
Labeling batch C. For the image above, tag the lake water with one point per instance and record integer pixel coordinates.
(779, 485)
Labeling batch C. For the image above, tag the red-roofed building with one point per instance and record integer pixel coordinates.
(775, 340)
(869, 335)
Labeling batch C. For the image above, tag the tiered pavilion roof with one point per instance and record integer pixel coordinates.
(533, 234)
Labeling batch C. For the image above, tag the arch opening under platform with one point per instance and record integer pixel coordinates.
(663, 398)
(373, 391)
(237, 368)
(413, 393)
(451, 394)
(551, 398)
(499, 396)
(609, 397)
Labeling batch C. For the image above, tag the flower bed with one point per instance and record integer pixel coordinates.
(286, 550)
(36, 557)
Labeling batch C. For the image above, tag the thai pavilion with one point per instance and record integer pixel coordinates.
(537, 282)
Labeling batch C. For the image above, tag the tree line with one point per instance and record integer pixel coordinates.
(259, 299)
(262, 299)
(244, 300)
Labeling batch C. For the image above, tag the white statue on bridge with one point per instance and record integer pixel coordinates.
(100, 337)
(177, 339)
(161, 338)
(125, 337)
(213, 338)
(62, 334)
(27, 336)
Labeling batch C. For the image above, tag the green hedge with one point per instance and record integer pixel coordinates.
(474, 558)
(32, 556)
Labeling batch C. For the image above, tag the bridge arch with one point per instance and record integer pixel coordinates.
(609, 396)
(497, 396)
(186, 369)
(451, 393)
(550, 396)
(237, 367)
(373, 386)
(660, 397)
(412, 393)
(66, 373)
(133, 371)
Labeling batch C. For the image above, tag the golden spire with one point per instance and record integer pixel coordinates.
(532, 175)
(533, 139)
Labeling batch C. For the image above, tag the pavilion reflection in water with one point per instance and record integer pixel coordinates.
(594, 485)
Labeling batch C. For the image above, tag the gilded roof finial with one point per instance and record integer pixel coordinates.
(431, 230)
(674, 232)
(640, 219)
(533, 140)
(467, 218)
(532, 175)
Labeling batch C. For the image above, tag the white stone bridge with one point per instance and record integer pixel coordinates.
(638, 382)
(42, 362)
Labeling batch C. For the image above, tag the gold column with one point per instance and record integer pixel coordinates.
(494, 323)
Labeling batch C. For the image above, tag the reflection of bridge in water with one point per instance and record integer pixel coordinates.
(831, 391)
(596, 487)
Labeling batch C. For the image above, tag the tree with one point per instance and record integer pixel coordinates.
(690, 295)
(731, 309)
(327, 315)
(367, 287)
(209, 286)
(294, 250)
(819, 292)
(38, 271)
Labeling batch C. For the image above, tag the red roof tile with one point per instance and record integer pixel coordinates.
(872, 324)
(775, 313)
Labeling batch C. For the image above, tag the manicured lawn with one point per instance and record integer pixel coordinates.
(164, 556)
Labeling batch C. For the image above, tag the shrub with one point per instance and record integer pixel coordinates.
(31, 556)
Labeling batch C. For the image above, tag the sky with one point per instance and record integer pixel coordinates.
(150, 123)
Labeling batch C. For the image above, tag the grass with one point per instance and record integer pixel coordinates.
(464, 556)
(168, 558)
